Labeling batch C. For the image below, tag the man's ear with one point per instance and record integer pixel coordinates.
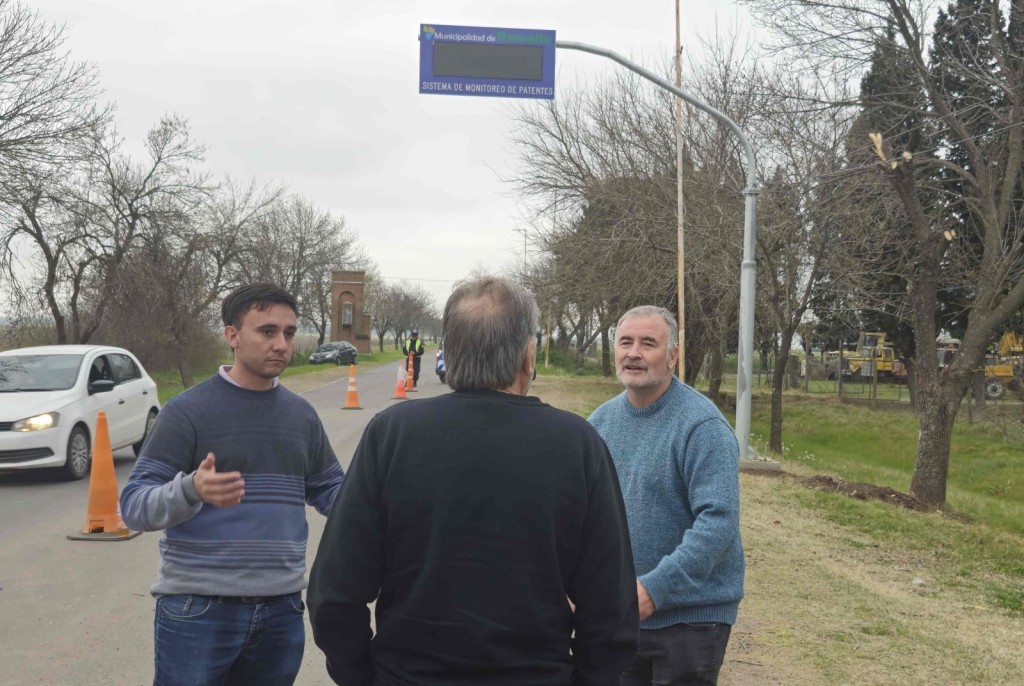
(530, 359)
(231, 336)
(673, 358)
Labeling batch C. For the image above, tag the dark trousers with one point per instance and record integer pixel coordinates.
(415, 369)
(680, 655)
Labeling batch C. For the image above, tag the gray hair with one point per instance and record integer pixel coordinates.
(655, 311)
(488, 325)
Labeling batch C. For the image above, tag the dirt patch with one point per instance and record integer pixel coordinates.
(864, 491)
(827, 603)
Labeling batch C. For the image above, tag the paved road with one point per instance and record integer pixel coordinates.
(79, 613)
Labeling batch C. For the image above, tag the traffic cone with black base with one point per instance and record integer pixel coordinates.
(103, 516)
(352, 401)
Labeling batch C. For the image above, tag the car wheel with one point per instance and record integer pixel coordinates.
(355, 360)
(150, 420)
(79, 455)
(337, 361)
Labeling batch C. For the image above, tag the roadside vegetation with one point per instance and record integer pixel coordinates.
(843, 590)
(169, 383)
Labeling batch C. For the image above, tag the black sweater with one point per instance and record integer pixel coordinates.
(469, 518)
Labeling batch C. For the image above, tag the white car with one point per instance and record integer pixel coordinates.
(51, 395)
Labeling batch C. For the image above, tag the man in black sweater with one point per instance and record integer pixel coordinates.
(472, 519)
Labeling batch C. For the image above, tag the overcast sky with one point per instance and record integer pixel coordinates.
(323, 96)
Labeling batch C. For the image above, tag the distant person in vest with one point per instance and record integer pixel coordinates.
(414, 345)
(678, 463)
(227, 473)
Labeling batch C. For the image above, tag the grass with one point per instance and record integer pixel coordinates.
(576, 393)
(986, 475)
(985, 482)
(169, 380)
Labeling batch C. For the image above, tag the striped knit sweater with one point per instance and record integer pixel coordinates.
(257, 548)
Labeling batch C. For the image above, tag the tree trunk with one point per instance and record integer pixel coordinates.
(911, 383)
(694, 361)
(606, 363)
(184, 367)
(58, 318)
(778, 379)
(931, 463)
(715, 372)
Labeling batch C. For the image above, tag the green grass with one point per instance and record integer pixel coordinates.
(986, 474)
(985, 483)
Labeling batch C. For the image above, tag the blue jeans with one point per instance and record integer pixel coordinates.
(208, 640)
(679, 655)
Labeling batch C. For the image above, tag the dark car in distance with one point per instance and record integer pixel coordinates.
(337, 352)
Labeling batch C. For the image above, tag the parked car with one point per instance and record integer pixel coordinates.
(51, 395)
(338, 352)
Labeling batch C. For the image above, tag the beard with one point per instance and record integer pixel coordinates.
(651, 378)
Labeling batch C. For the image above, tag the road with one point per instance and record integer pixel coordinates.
(79, 613)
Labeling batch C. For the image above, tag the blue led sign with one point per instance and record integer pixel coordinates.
(488, 62)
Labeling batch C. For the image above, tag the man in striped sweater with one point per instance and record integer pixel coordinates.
(226, 473)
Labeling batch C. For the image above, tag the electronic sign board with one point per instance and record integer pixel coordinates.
(487, 62)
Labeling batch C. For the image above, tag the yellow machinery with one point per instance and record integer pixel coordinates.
(1003, 370)
(873, 356)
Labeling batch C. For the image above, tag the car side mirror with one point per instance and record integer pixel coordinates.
(101, 386)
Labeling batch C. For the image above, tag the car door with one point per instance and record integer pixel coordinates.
(132, 397)
(110, 403)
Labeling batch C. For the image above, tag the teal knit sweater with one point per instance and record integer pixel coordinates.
(677, 461)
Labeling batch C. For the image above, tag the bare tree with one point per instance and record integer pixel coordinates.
(123, 199)
(376, 296)
(601, 164)
(805, 234)
(187, 262)
(43, 242)
(973, 227)
(47, 102)
(297, 245)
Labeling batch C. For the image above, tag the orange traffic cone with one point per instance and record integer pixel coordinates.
(410, 384)
(352, 401)
(400, 385)
(103, 517)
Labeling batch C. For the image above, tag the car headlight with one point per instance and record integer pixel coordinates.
(40, 421)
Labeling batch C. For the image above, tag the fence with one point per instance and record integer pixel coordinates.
(883, 391)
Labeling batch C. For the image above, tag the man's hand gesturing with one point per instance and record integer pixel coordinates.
(222, 489)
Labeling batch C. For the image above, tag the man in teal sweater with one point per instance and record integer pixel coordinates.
(677, 462)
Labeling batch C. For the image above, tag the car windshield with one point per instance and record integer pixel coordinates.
(328, 347)
(38, 372)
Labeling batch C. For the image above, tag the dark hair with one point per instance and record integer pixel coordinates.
(259, 295)
(488, 325)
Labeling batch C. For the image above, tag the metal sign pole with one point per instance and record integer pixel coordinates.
(748, 268)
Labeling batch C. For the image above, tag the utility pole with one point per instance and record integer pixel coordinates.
(680, 255)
